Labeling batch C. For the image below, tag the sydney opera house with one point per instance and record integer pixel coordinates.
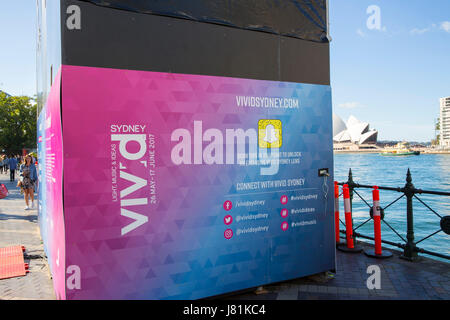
(353, 132)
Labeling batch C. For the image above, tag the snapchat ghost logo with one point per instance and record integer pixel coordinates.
(270, 134)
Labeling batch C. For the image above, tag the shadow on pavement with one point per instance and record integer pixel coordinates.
(32, 217)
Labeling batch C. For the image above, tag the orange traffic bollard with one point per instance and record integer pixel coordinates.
(348, 218)
(350, 245)
(336, 212)
(376, 216)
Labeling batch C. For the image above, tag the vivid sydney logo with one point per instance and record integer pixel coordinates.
(234, 146)
(131, 204)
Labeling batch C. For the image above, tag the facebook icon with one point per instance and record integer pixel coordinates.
(227, 205)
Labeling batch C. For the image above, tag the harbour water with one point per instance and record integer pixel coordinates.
(429, 172)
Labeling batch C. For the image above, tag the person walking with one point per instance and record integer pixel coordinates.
(2, 159)
(29, 175)
(5, 164)
(12, 163)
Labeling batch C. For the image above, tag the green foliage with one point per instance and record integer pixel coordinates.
(437, 128)
(17, 123)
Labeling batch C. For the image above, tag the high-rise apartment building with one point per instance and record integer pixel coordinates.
(445, 122)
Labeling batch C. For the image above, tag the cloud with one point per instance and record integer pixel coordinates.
(360, 33)
(445, 26)
(417, 31)
(350, 105)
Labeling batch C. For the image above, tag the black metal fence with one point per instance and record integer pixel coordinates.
(410, 192)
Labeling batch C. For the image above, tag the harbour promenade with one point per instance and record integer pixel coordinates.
(423, 280)
(426, 279)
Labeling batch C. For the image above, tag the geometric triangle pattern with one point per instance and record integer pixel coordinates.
(154, 210)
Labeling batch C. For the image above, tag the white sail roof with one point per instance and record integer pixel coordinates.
(354, 130)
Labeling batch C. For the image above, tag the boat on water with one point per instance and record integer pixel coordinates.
(401, 149)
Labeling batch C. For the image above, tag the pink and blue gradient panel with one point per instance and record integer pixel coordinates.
(184, 251)
(50, 168)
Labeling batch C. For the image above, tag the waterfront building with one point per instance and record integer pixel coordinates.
(445, 122)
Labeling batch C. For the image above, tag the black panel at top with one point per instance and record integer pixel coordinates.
(122, 39)
(304, 19)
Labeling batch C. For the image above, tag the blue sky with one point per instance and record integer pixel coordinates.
(18, 46)
(392, 77)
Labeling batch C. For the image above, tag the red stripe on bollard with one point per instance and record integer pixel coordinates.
(336, 211)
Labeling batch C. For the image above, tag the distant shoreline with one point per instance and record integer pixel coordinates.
(380, 151)
(357, 151)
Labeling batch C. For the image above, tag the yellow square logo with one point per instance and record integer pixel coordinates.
(270, 134)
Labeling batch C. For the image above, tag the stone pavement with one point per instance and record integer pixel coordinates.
(20, 227)
(400, 279)
(427, 279)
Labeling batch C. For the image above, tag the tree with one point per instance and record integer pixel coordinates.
(17, 123)
(437, 128)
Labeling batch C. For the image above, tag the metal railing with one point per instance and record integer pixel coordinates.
(409, 245)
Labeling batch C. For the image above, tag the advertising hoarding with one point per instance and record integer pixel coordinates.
(196, 175)
(182, 187)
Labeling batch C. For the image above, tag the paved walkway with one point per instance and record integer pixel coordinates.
(400, 279)
(20, 227)
(427, 279)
